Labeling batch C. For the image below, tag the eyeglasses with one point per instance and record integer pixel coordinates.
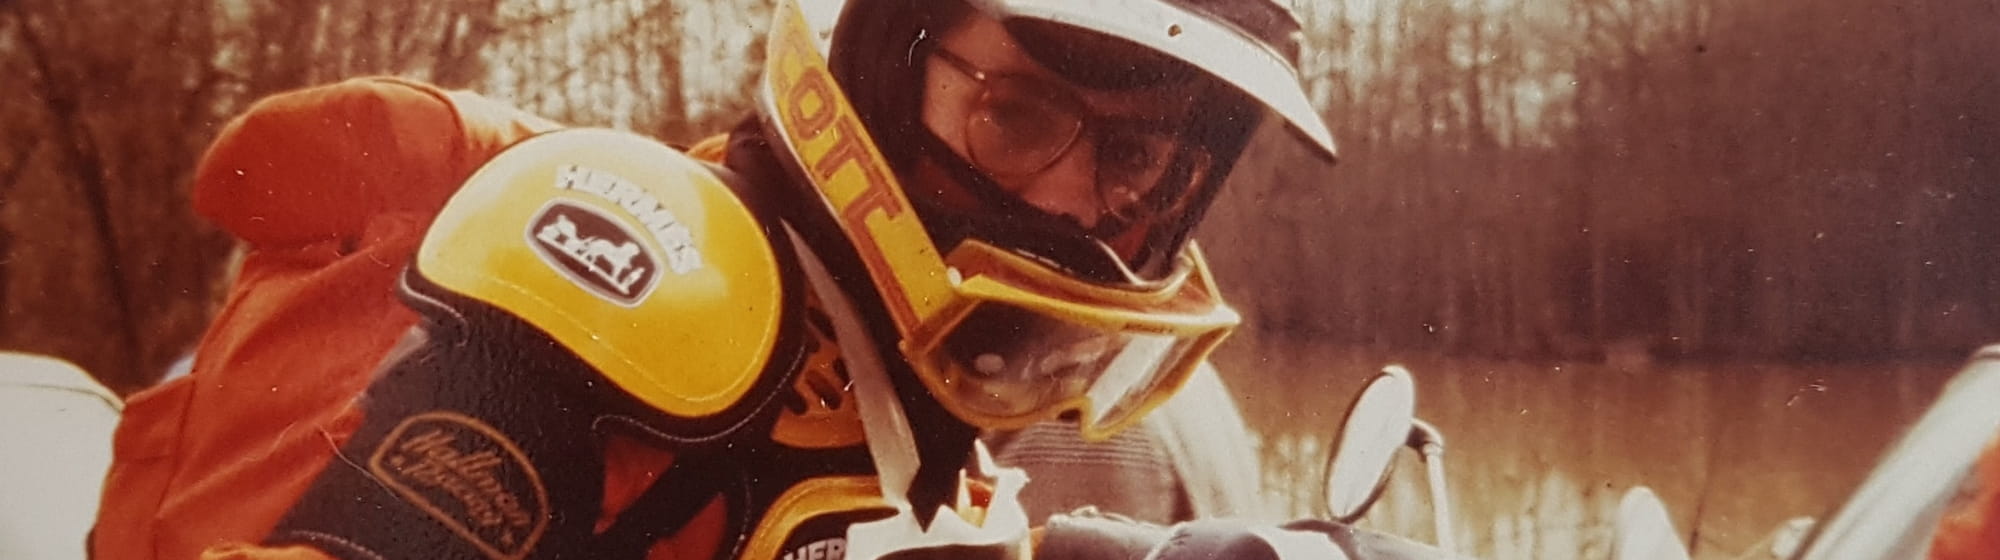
(1021, 125)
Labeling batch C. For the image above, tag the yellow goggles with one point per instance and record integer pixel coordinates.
(1025, 343)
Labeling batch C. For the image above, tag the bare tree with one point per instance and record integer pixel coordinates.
(107, 144)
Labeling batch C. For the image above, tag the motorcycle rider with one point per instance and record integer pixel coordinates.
(950, 216)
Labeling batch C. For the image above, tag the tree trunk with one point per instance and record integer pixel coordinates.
(62, 103)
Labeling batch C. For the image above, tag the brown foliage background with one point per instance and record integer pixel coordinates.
(1526, 185)
(1793, 180)
(111, 102)
(1522, 179)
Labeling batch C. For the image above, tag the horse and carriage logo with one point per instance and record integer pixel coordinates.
(593, 248)
(595, 251)
(601, 251)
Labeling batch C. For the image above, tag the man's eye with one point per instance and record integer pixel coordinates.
(1129, 154)
(1023, 124)
(1008, 115)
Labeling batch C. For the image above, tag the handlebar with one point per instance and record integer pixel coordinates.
(1090, 535)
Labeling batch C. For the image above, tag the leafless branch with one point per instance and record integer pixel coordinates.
(80, 150)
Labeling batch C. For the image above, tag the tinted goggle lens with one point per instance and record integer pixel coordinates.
(1004, 361)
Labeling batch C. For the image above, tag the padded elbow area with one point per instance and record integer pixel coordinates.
(315, 164)
(1203, 541)
(1213, 539)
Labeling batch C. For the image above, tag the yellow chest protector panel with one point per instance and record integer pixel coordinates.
(824, 414)
(632, 255)
(810, 520)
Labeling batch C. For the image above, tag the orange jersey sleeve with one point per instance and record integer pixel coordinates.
(319, 163)
(332, 188)
(247, 552)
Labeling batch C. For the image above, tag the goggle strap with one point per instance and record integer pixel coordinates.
(1135, 365)
(893, 447)
(891, 444)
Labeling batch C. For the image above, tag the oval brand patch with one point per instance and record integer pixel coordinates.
(594, 251)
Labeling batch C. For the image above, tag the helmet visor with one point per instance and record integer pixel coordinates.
(1218, 49)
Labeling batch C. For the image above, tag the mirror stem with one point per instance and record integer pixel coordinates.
(1429, 442)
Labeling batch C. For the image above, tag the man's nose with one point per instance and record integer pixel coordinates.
(1068, 187)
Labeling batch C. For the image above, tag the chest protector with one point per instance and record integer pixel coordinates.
(633, 256)
(676, 286)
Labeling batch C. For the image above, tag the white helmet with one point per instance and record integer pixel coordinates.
(1010, 314)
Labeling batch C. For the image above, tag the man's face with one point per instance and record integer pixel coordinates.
(1074, 152)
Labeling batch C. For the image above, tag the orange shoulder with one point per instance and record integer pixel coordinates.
(711, 149)
(249, 552)
(315, 164)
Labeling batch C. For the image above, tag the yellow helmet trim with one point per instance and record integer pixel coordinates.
(817, 123)
(628, 253)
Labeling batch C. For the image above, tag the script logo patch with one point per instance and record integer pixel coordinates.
(594, 251)
(469, 477)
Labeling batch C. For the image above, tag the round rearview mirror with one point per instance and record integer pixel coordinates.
(1375, 428)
